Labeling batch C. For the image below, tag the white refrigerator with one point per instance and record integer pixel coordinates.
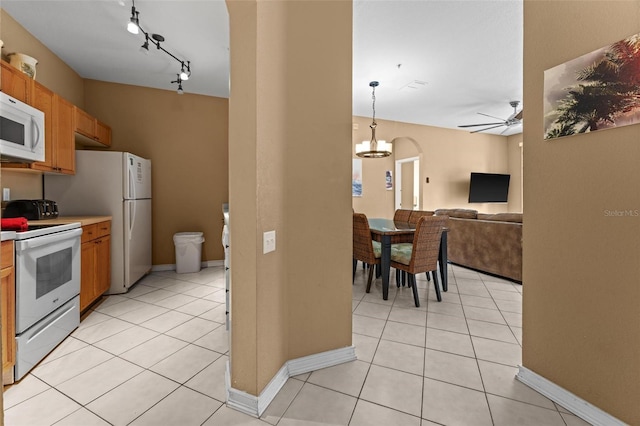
(116, 184)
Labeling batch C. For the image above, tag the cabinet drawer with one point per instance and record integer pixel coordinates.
(103, 228)
(7, 254)
(89, 232)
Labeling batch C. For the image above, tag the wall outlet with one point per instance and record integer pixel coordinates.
(6, 194)
(268, 242)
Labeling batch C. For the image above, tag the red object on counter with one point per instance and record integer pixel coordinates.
(14, 224)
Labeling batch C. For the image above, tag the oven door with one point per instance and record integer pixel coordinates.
(47, 275)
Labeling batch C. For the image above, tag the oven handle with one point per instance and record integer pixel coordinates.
(54, 238)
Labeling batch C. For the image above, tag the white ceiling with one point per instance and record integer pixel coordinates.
(465, 56)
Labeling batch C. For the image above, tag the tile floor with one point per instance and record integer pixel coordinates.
(156, 356)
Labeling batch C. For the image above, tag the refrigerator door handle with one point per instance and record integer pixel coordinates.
(132, 185)
(132, 216)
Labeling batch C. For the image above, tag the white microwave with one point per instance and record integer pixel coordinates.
(21, 131)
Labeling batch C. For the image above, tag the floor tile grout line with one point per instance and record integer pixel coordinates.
(505, 320)
(428, 301)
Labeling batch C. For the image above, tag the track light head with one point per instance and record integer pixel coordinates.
(145, 46)
(185, 74)
(134, 22)
(179, 81)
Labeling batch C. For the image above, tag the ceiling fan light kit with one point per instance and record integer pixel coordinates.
(513, 120)
(373, 148)
(133, 26)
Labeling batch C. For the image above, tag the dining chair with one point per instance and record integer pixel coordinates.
(402, 215)
(417, 214)
(364, 248)
(422, 254)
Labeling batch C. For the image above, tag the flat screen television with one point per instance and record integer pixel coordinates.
(488, 188)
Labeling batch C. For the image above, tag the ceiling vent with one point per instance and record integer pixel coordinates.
(414, 86)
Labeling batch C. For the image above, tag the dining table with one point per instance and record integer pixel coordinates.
(388, 232)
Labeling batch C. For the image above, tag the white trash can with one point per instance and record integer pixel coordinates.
(188, 251)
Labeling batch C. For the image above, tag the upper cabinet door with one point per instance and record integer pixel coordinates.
(43, 99)
(64, 136)
(15, 83)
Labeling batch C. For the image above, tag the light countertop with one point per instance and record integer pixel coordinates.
(84, 220)
(8, 235)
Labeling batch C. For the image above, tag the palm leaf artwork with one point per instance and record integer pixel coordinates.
(606, 93)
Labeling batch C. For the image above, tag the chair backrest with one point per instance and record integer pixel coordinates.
(402, 215)
(426, 244)
(417, 214)
(362, 243)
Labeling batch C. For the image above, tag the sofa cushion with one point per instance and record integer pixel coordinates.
(459, 213)
(504, 217)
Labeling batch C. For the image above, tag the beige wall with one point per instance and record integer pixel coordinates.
(184, 136)
(295, 301)
(581, 322)
(447, 157)
(51, 70)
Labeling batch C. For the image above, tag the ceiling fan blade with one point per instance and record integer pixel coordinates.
(518, 116)
(488, 128)
(483, 124)
(487, 115)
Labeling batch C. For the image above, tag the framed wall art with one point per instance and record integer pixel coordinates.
(599, 90)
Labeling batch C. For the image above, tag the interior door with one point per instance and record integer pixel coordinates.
(406, 201)
(137, 240)
(407, 188)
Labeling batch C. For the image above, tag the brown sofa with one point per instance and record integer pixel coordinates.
(487, 242)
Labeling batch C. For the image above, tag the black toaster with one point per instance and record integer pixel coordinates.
(31, 209)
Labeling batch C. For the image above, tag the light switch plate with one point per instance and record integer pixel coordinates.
(268, 242)
(6, 194)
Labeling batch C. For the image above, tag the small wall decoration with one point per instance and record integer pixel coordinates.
(356, 178)
(599, 90)
(388, 180)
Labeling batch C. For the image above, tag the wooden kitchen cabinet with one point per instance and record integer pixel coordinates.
(91, 130)
(95, 263)
(8, 312)
(14, 82)
(60, 149)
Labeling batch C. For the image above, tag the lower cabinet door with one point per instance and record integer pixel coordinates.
(87, 267)
(103, 265)
(8, 316)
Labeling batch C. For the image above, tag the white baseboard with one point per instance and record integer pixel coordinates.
(172, 266)
(255, 405)
(578, 406)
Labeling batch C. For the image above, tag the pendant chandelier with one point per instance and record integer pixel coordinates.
(373, 148)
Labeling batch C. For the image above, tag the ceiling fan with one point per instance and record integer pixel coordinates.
(514, 119)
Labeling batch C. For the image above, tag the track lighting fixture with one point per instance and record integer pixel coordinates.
(134, 27)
